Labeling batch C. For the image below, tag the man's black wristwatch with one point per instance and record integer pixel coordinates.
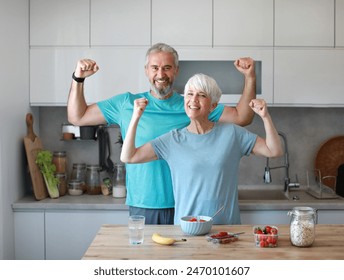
(78, 80)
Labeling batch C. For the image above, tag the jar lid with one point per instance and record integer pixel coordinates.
(79, 165)
(74, 183)
(93, 167)
(303, 210)
(60, 153)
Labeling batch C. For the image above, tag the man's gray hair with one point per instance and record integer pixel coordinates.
(161, 47)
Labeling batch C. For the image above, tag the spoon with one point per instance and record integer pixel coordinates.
(218, 211)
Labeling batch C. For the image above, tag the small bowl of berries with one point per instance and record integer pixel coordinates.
(196, 225)
(265, 236)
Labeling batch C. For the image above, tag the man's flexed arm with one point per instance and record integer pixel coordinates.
(79, 113)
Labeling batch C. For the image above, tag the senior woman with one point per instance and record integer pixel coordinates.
(203, 157)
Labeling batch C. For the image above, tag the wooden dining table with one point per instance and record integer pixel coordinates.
(112, 242)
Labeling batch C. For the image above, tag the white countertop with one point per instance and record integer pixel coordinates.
(101, 202)
(69, 202)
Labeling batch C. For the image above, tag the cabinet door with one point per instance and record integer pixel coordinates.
(264, 70)
(121, 70)
(59, 23)
(255, 19)
(264, 217)
(330, 217)
(309, 77)
(51, 74)
(118, 22)
(182, 23)
(304, 23)
(69, 233)
(339, 23)
(29, 236)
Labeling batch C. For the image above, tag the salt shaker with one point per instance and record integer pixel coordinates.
(302, 226)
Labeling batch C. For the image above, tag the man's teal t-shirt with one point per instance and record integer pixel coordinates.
(149, 185)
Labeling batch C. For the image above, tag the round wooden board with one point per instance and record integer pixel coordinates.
(330, 156)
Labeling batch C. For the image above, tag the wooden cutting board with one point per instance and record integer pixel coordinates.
(32, 146)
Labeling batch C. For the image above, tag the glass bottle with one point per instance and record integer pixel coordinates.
(79, 173)
(60, 161)
(119, 189)
(302, 226)
(93, 179)
(62, 185)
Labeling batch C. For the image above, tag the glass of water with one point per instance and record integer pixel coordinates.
(136, 226)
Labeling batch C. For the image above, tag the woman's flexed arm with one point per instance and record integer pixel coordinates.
(131, 154)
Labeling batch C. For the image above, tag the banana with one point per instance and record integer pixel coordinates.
(156, 237)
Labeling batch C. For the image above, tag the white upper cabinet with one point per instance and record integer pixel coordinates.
(304, 23)
(51, 74)
(182, 23)
(298, 46)
(309, 77)
(243, 23)
(120, 70)
(120, 23)
(339, 23)
(59, 23)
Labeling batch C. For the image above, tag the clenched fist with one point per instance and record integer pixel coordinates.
(86, 68)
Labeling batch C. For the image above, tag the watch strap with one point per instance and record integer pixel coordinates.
(78, 80)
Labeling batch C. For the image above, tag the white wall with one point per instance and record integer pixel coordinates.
(14, 93)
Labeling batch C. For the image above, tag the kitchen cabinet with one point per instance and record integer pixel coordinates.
(60, 234)
(69, 233)
(51, 74)
(59, 23)
(29, 235)
(182, 23)
(281, 217)
(121, 70)
(254, 17)
(61, 33)
(304, 23)
(330, 217)
(263, 217)
(120, 23)
(63, 228)
(309, 77)
(339, 23)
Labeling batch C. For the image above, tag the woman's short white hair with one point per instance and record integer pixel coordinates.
(206, 84)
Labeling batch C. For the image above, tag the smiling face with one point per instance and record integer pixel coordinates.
(197, 104)
(161, 72)
(201, 96)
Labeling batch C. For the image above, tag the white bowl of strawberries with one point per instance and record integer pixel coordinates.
(265, 236)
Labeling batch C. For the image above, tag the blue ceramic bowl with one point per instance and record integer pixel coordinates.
(201, 226)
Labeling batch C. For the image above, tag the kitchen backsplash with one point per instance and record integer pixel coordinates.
(306, 130)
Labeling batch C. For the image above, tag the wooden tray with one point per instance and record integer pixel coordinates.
(32, 146)
(329, 157)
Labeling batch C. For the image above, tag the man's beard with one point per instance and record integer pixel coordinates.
(162, 93)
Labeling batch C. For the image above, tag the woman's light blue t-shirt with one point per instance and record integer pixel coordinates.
(149, 185)
(204, 169)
